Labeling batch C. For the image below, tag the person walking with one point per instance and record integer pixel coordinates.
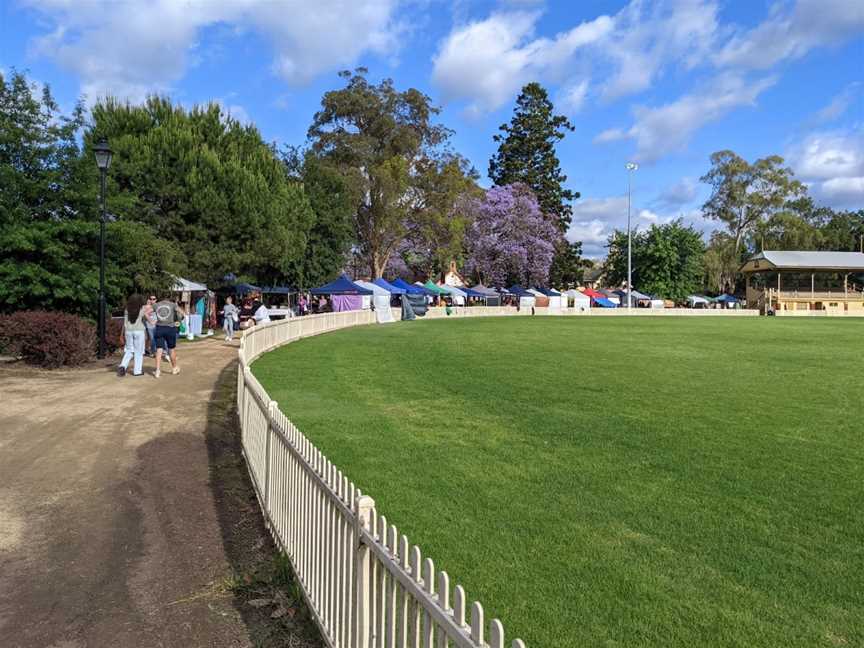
(134, 330)
(230, 316)
(150, 324)
(168, 317)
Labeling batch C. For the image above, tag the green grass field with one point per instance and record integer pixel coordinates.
(610, 481)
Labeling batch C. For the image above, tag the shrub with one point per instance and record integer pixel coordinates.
(48, 339)
(113, 334)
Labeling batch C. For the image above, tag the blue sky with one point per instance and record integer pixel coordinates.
(664, 82)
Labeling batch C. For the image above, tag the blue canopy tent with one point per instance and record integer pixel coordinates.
(549, 292)
(604, 302)
(345, 294)
(470, 292)
(277, 290)
(726, 299)
(386, 285)
(411, 289)
(242, 289)
(526, 298)
(341, 286)
(519, 291)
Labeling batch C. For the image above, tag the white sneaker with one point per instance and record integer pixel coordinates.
(175, 371)
(157, 373)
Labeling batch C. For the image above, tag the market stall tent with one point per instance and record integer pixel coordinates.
(185, 285)
(431, 287)
(638, 298)
(581, 301)
(727, 301)
(539, 298)
(381, 300)
(492, 297)
(409, 289)
(386, 285)
(526, 299)
(553, 297)
(457, 294)
(697, 301)
(346, 295)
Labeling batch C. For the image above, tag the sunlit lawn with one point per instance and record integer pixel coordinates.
(610, 481)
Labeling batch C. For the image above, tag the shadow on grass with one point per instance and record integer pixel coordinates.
(266, 594)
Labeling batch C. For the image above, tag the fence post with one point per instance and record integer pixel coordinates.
(362, 598)
(272, 406)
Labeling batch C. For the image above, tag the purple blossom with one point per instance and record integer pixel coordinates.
(510, 240)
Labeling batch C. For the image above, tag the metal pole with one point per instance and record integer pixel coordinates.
(102, 349)
(629, 243)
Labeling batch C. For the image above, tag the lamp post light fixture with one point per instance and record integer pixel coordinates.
(631, 167)
(103, 160)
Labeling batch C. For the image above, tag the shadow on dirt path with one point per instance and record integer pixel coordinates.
(265, 592)
(127, 518)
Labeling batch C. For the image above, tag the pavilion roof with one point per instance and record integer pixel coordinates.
(805, 261)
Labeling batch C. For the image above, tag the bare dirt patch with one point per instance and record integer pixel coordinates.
(126, 517)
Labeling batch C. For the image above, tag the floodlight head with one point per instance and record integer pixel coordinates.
(103, 154)
(632, 166)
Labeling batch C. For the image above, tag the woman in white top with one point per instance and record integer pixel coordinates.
(261, 314)
(230, 317)
(134, 332)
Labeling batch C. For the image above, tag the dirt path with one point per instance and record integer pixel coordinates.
(126, 518)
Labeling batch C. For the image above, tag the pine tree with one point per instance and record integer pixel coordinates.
(526, 153)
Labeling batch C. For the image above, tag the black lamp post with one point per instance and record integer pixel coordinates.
(103, 161)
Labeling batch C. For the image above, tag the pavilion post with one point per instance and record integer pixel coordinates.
(812, 285)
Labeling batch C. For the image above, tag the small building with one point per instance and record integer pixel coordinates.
(806, 283)
(593, 278)
(453, 278)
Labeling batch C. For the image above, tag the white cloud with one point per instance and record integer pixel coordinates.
(678, 194)
(832, 165)
(611, 135)
(235, 111)
(573, 97)
(668, 128)
(130, 49)
(840, 103)
(791, 32)
(595, 219)
(843, 192)
(486, 62)
(650, 36)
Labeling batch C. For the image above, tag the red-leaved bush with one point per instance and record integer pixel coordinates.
(48, 339)
(113, 334)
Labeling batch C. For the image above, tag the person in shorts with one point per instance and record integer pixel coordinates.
(168, 317)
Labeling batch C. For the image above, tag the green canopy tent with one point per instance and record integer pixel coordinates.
(435, 289)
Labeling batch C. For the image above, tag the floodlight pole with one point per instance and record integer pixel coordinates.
(631, 167)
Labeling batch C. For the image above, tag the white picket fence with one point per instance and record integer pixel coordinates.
(366, 586)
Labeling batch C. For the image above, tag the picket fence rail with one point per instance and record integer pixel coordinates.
(365, 585)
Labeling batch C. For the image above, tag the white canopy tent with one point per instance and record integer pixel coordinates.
(695, 301)
(381, 299)
(581, 301)
(184, 285)
(565, 302)
(459, 296)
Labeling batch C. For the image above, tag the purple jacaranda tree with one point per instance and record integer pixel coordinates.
(509, 240)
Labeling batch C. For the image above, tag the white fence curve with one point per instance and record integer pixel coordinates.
(366, 586)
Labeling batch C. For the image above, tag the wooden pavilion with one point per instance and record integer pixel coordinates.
(806, 283)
